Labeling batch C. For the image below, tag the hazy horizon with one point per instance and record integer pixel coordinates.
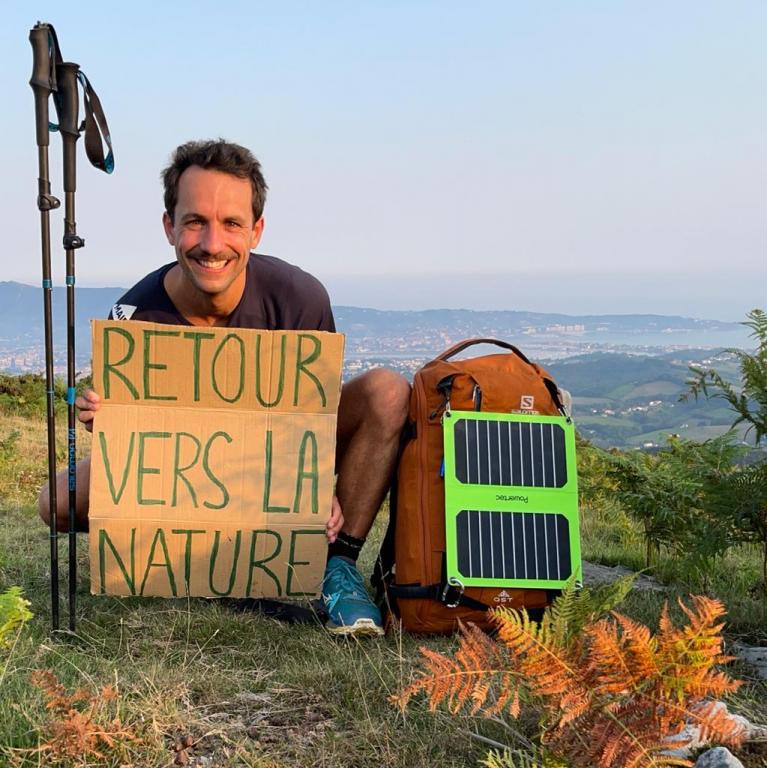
(547, 294)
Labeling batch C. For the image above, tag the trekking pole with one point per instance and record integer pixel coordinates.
(69, 78)
(68, 107)
(43, 82)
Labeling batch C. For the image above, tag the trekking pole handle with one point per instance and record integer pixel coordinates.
(462, 345)
(41, 79)
(67, 104)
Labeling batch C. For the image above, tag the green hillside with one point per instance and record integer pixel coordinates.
(634, 401)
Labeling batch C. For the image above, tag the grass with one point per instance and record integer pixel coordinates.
(23, 455)
(249, 691)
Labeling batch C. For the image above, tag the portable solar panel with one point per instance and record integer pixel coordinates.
(511, 500)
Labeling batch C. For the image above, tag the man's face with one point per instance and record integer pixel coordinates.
(213, 230)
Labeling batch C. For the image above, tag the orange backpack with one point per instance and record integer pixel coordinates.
(410, 573)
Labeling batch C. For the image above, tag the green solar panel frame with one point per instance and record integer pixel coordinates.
(557, 505)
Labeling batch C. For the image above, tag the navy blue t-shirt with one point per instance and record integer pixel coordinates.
(278, 297)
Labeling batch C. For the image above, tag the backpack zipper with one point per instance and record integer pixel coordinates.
(444, 387)
(476, 396)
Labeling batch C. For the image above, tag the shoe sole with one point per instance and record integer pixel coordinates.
(360, 628)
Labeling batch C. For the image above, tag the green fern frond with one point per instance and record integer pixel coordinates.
(14, 612)
(757, 322)
(748, 400)
(575, 608)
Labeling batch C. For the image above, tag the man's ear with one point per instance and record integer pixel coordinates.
(167, 225)
(256, 232)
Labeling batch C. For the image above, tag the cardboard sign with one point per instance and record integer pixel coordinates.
(212, 459)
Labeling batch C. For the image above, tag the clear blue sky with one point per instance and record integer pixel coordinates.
(559, 156)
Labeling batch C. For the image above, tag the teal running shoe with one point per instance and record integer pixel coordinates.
(349, 607)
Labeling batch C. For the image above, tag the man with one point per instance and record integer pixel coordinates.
(214, 200)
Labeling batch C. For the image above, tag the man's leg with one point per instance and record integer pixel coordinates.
(371, 413)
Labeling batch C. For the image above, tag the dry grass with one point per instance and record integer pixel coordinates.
(24, 465)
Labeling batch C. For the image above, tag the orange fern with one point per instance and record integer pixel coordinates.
(609, 696)
(479, 665)
(79, 725)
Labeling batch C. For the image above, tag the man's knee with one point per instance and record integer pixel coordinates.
(385, 396)
(62, 499)
(44, 505)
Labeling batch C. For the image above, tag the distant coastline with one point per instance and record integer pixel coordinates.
(404, 338)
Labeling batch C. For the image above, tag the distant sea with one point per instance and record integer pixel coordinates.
(542, 346)
(550, 347)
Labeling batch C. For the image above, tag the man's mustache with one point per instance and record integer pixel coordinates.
(201, 253)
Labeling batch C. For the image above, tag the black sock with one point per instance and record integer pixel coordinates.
(345, 546)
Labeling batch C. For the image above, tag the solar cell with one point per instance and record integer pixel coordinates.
(510, 453)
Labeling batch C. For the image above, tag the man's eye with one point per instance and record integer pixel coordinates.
(195, 223)
(233, 224)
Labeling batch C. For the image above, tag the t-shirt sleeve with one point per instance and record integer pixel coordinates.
(326, 321)
(313, 303)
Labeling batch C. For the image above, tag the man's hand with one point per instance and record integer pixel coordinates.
(336, 521)
(87, 403)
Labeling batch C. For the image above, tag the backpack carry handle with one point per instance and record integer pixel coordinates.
(461, 345)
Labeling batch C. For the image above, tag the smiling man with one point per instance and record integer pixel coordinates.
(214, 200)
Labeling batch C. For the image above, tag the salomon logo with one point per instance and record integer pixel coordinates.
(527, 402)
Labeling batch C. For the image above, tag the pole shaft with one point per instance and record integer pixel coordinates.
(68, 109)
(43, 81)
(70, 228)
(44, 193)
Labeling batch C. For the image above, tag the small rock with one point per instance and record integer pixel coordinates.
(719, 757)
(249, 697)
(689, 736)
(755, 655)
(751, 731)
(595, 574)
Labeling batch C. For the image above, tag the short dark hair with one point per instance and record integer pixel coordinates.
(216, 155)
